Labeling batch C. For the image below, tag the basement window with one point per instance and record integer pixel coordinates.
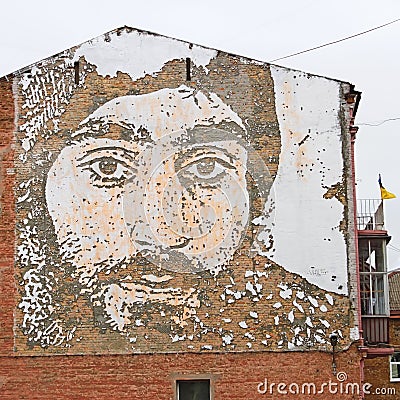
(395, 367)
(193, 389)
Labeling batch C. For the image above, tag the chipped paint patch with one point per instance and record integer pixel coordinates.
(139, 53)
(311, 160)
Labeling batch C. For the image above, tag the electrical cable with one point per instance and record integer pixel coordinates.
(337, 41)
(393, 248)
(378, 123)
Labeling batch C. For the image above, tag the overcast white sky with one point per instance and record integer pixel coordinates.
(31, 30)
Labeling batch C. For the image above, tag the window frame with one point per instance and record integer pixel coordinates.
(176, 378)
(373, 298)
(391, 364)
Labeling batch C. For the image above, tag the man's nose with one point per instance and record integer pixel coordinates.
(135, 218)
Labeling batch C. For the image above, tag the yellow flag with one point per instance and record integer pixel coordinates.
(385, 195)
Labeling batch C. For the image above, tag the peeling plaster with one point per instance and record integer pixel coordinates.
(139, 53)
(310, 162)
(298, 223)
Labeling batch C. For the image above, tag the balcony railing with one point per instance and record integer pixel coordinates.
(375, 329)
(370, 215)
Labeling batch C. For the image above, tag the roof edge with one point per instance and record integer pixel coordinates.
(130, 29)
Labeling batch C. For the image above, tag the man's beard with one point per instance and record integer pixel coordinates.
(136, 290)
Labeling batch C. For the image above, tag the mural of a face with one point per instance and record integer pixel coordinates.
(144, 179)
(157, 214)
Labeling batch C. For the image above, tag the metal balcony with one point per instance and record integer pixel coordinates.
(375, 330)
(370, 215)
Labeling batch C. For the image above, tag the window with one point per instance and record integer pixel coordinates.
(395, 367)
(193, 389)
(373, 277)
(373, 294)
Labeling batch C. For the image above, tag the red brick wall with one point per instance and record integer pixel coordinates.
(7, 217)
(148, 376)
(394, 332)
(376, 372)
(233, 376)
(68, 322)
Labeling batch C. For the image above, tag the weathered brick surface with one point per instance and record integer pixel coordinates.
(233, 376)
(376, 372)
(7, 217)
(248, 89)
(101, 362)
(394, 332)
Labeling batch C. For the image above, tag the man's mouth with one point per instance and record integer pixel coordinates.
(120, 300)
(184, 243)
(181, 242)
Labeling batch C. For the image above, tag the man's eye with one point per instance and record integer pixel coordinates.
(107, 171)
(107, 166)
(207, 169)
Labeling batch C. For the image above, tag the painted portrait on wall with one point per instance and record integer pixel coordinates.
(165, 209)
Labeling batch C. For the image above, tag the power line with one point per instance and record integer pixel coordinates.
(378, 123)
(393, 248)
(337, 41)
